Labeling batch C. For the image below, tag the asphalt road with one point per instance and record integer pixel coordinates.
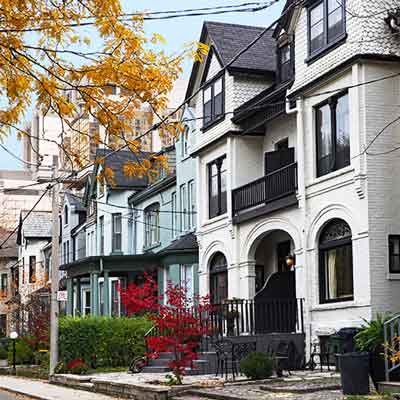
(10, 396)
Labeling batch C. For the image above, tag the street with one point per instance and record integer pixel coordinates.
(9, 396)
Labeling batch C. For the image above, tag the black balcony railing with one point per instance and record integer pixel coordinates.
(250, 317)
(273, 186)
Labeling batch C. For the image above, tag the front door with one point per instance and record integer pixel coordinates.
(283, 250)
(275, 160)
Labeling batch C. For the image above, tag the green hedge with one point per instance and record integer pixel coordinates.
(102, 341)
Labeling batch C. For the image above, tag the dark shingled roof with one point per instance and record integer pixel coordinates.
(75, 201)
(230, 39)
(116, 162)
(184, 243)
(10, 249)
(37, 225)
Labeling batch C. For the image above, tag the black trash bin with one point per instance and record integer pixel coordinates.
(347, 336)
(354, 373)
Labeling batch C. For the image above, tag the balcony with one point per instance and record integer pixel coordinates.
(272, 192)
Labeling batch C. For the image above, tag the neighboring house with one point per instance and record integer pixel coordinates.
(140, 226)
(31, 276)
(284, 170)
(8, 260)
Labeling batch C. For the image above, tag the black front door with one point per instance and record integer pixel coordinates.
(283, 250)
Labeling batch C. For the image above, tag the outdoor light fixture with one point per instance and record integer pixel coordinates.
(290, 260)
(14, 337)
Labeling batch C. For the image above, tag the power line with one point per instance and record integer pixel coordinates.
(25, 217)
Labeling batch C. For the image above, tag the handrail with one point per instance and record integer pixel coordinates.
(390, 365)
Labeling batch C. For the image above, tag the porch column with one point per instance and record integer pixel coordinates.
(78, 306)
(247, 280)
(70, 296)
(106, 291)
(94, 290)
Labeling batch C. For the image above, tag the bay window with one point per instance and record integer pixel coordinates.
(217, 195)
(213, 101)
(333, 134)
(326, 25)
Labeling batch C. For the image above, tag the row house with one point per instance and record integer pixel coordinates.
(8, 260)
(133, 225)
(295, 165)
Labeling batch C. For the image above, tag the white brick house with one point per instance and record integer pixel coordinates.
(296, 174)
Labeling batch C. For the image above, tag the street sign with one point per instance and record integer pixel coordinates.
(62, 295)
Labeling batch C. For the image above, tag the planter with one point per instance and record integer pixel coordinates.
(377, 369)
(354, 373)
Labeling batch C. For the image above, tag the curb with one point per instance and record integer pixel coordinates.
(21, 393)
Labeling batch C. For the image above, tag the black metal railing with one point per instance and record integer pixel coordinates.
(250, 317)
(273, 186)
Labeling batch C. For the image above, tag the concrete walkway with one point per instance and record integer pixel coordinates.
(40, 390)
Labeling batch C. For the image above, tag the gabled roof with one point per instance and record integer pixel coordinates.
(227, 40)
(10, 247)
(74, 201)
(230, 39)
(38, 224)
(117, 160)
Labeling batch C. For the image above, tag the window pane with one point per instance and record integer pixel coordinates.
(335, 24)
(207, 95)
(324, 139)
(316, 36)
(342, 133)
(338, 266)
(207, 113)
(395, 263)
(218, 105)
(317, 14)
(285, 54)
(218, 87)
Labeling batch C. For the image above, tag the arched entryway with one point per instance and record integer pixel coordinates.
(276, 306)
(271, 259)
(218, 278)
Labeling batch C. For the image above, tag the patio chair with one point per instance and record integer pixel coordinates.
(284, 353)
(224, 352)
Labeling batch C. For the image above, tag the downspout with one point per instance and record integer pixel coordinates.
(135, 217)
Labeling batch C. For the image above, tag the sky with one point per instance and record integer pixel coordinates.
(177, 32)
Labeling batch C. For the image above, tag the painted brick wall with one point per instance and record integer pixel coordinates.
(367, 34)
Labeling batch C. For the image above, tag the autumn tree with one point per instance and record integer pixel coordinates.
(51, 49)
(180, 322)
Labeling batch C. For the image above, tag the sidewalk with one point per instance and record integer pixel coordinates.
(45, 391)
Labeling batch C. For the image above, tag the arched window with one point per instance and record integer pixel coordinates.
(336, 262)
(66, 215)
(218, 279)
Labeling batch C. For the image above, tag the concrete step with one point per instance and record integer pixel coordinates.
(154, 369)
(389, 387)
(159, 362)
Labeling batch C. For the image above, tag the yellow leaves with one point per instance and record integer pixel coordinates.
(200, 52)
(158, 39)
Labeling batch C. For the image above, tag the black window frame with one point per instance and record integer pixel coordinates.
(221, 206)
(322, 249)
(214, 119)
(328, 44)
(390, 253)
(291, 69)
(66, 214)
(332, 102)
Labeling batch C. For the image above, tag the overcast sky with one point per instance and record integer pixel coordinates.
(177, 32)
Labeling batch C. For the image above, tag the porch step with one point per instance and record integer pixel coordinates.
(160, 362)
(166, 355)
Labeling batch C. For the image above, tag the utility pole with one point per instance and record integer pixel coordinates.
(55, 265)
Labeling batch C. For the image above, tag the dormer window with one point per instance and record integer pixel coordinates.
(326, 25)
(213, 102)
(286, 62)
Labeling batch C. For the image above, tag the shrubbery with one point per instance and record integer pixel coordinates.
(102, 341)
(23, 352)
(257, 365)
